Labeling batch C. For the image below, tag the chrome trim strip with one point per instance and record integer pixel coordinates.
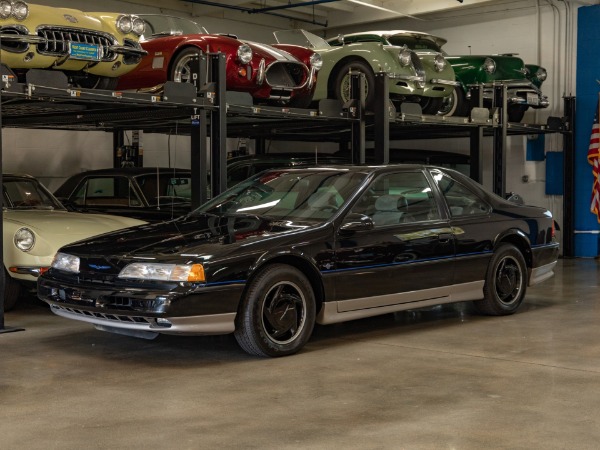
(33, 271)
(541, 273)
(194, 325)
(445, 82)
(128, 51)
(341, 311)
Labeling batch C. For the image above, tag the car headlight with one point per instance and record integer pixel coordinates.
(244, 53)
(124, 24)
(138, 25)
(5, 9)
(439, 63)
(66, 262)
(20, 10)
(24, 239)
(316, 61)
(489, 65)
(405, 57)
(541, 74)
(164, 272)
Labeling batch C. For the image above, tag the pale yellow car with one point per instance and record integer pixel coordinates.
(92, 49)
(36, 225)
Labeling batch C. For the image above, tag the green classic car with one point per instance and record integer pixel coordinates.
(92, 49)
(415, 76)
(523, 81)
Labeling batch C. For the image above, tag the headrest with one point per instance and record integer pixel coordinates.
(321, 199)
(390, 203)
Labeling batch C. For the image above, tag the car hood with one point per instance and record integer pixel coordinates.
(40, 14)
(71, 225)
(194, 236)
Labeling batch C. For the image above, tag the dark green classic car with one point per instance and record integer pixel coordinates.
(523, 81)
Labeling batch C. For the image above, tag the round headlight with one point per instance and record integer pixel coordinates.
(24, 239)
(439, 63)
(541, 74)
(138, 25)
(5, 9)
(489, 65)
(404, 57)
(20, 10)
(316, 61)
(244, 53)
(124, 24)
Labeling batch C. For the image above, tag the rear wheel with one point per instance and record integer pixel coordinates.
(277, 315)
(505, 283)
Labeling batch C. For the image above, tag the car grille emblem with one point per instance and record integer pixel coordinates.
(98, 267)
(70, 18)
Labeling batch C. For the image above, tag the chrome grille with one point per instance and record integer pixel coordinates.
(58, 38)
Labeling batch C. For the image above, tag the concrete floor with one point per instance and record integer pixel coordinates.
(442, 378)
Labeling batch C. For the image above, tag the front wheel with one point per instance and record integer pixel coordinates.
(277, 314)
(342, 82)
(431, 105)
(456, 104)
(505, 283)
(180, 67)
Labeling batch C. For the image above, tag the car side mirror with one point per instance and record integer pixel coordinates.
(340, 39)
(354, 222)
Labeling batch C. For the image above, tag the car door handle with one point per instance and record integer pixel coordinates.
(445, 237)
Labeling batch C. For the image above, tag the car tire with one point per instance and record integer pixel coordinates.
(505, 282)
(277, 314)
(180, 65)
(516, 112)
(96, 82)
(431, 105)
(456, 104)
(341, 88)
(12, 290)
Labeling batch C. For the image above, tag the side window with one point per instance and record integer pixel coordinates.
(109, 191)
(461, 201)
(402, 197)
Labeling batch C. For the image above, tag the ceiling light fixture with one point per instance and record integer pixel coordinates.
(381, 8)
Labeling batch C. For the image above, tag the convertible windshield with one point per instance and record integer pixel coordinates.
(305, 195)
(27, 194)
(158, 25)
(414, 42)
(301, 38)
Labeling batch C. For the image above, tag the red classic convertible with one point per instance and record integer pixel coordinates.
(269, 74)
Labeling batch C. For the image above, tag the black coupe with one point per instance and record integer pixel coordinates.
(288, 248)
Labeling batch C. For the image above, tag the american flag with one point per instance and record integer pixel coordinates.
(594, 159)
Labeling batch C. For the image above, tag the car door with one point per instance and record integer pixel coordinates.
(408, 254)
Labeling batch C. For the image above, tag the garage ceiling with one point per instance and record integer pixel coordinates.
(330, 13)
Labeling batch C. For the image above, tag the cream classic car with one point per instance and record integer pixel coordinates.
(92, 49)
(36, 224)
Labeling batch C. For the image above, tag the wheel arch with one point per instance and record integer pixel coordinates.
(299, 262)
(519, 240)
(184, 46)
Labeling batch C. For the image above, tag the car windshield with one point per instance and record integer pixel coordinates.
(414, 42)
(158, 25)
(301, 38)
(27, 194)
(295, 194)
(165, 187)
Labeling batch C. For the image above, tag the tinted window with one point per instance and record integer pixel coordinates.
(461, 201)
(402, 197)
(165, 186)
(113, 191)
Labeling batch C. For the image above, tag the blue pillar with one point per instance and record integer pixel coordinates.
(586, 242)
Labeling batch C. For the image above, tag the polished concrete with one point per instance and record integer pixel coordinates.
(442, 378)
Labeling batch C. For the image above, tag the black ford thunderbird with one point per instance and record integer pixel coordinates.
(289, 248)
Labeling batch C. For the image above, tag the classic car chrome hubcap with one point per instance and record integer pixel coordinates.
(509, 280)
(284, 312)
(182, 70)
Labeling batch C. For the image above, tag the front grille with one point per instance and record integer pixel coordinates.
(286, 75)
(58, 38)
(109, 317)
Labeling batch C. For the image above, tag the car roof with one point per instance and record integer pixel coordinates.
(132, 171)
